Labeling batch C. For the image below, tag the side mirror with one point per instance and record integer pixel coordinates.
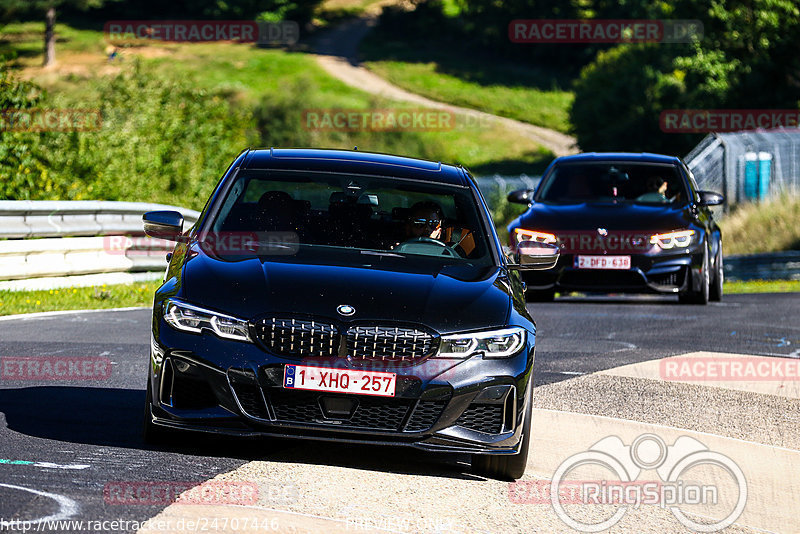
(521, 196)
(534, 255)
(709, 198)
(163, 224)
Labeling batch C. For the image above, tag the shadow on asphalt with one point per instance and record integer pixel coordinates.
(619, 299)
(113, 417)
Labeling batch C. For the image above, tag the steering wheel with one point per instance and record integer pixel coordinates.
(420, 245)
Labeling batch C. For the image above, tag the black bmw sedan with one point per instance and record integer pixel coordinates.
(345, 296)
(624, 223)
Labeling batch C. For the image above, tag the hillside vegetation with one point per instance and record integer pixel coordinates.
(175, 115)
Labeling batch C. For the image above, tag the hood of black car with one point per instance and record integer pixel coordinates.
(589, 216)
(446, 300)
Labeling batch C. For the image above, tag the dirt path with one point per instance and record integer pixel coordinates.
(337, 53)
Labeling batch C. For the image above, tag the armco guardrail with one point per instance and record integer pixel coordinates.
(61, 243)
(771, 266)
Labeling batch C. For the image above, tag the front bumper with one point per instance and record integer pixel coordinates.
(658, 272)
(202, 383)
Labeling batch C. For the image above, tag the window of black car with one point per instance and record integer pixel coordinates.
(645, 183)
(405, 218)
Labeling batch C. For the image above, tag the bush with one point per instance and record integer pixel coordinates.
(160, 141)
(768, 226)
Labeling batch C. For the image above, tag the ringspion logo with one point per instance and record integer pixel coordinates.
(680, 486)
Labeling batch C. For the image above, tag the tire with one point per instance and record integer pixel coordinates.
(506, 466)
(701, 296)
(153, 434)
(540, 295)
(715, 293)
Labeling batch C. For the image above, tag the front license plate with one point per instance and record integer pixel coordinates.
(375, 383)
(603, 262)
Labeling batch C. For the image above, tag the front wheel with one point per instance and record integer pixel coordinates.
(715, 294)
(701, 295)
(506, 466)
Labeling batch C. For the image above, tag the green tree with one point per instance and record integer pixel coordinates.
(46, 8)
(747, 59)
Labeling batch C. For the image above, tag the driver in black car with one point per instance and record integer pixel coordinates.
(425, 220)
(425, 223)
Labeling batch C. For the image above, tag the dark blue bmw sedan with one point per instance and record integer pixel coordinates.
(346, 296)
(624, 223)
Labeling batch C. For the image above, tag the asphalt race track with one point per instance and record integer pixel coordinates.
(63, 442)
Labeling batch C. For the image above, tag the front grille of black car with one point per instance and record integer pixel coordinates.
(305, 407)
(299, 337)
(309, 338)
(370, 413)
(486, 418)
(393, 344)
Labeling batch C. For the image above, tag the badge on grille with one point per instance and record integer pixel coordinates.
(346, 310)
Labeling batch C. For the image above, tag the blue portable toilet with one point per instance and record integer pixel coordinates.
(750, 176)
(764, 174)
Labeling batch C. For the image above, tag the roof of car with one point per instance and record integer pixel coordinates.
(638, 157)
(353, 161)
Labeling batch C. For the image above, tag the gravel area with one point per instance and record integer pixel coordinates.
(760, 418)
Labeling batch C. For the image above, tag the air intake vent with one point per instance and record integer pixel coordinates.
(248, 393)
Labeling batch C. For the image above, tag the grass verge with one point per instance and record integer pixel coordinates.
(762, 286)
(141, 294)
(767, 226)
(443, 72)
(78, 298)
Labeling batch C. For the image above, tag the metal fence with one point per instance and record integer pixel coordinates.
(747, 166)
(50, 244)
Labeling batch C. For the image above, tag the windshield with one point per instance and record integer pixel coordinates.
(613, 182)
(331, 215)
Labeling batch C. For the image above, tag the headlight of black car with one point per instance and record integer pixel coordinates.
(502, 343)
(183, 316)
(677, 239)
